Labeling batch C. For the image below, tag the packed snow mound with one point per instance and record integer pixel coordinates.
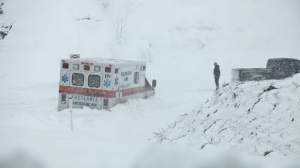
(258, 118)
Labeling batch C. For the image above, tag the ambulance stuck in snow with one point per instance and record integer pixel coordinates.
(101, 83)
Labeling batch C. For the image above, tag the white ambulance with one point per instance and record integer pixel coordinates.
(101, 83)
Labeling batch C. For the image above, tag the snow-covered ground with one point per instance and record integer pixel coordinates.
(30, 123)
(180, 40)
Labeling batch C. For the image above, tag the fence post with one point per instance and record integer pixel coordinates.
(71, 110)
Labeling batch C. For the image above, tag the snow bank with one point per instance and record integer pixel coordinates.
(257, 118)
(163, 157)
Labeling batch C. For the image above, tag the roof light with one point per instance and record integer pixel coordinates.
(82, 62)
(66, 65)
(86, 63)
(110, 65)
(63, 60)
(86, 67)
(91, 63)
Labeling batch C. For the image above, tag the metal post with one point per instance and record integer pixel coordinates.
(71, 109)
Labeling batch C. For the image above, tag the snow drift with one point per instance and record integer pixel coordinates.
(257, 118)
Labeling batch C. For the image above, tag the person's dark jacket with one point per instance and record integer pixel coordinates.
(217, 71)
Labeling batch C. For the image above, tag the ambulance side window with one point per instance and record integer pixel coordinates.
(77, 79)
(136, 78)
(94, 81)
(143, 68)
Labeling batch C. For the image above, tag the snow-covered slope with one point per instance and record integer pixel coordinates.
(179, 39)
(258, 118)
(175, 35)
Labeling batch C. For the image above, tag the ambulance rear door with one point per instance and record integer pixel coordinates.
(86, 86)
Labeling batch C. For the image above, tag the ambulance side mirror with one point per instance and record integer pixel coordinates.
(153, 83)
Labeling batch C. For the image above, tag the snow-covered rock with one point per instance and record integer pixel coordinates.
(5, 24)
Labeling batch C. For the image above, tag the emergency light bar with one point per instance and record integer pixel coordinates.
(74, 56)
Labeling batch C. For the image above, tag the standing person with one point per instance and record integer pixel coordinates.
(217, 74)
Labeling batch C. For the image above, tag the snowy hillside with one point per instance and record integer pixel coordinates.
(179, 40)
(256, 118)
(187, 36)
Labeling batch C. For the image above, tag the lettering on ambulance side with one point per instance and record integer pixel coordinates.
(125, 86)
(85, 104)
(85, 98)
(85, 101)
(126, 73)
